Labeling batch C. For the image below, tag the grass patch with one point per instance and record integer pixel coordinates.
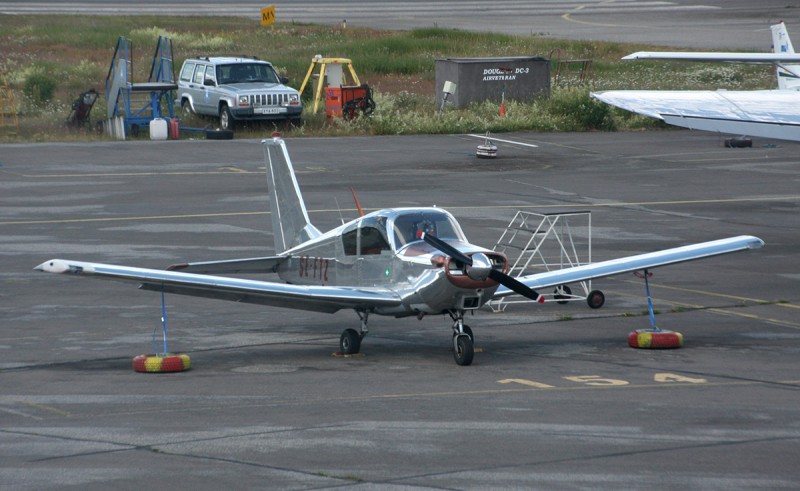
(75, 51)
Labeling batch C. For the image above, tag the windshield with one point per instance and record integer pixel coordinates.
(409, 227)
(239, 73)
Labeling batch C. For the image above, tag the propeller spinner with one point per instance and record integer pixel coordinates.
(478, 267)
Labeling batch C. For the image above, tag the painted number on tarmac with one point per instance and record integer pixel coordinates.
(598, 381)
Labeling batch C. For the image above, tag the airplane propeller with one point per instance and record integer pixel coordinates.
(478, 267)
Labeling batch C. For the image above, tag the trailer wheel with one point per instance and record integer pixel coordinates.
(595, 299)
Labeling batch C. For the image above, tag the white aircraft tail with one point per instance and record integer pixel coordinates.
(290, 224)
(788, 75)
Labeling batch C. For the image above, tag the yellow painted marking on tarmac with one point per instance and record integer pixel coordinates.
(522, 381)
(132, 219)
(758, 302)
(143, 409)
(568, 17)
(45, 408)
(226, 170)
(471, 207)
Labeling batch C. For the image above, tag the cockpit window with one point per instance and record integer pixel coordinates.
(409, 227)
(367, 237)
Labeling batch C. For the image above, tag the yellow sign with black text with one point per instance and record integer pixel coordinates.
(268, 15)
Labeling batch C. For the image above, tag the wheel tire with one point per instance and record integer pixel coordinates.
(225, 118)
(561, 294)
(595, 299)
(350, 342)
(186, 109)
(464, 350)
(219, 135)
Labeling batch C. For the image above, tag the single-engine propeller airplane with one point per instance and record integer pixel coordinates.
(395, 262)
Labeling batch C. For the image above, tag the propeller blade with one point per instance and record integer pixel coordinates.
(498, 276)
(515, 285)
(447, 249)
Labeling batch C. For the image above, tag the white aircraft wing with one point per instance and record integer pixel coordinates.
(315, 298)
(764, 113)
(746, 58)
(636, 263)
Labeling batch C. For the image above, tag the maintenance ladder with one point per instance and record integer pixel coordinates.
(139, 103)
(536, 242)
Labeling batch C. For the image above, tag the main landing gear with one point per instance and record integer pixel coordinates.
(350, 341)
(463, 340)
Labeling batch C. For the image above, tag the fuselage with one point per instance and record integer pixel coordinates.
(384, 249)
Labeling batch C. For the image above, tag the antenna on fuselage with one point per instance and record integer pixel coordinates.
(358, 205)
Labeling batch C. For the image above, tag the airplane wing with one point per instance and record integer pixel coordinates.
(635, 263)
(746, 58)
(764, 113)
(267, 264)
(327, 299)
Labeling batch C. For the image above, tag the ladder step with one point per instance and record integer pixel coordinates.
(504, 244)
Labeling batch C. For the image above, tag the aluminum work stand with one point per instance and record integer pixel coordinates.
(133, 106)
(535, 242)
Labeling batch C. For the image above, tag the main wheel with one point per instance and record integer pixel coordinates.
(350, 342)
(596, 299)
(225, 118)
(463, 350)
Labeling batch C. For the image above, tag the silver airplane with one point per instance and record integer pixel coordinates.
(397, 262)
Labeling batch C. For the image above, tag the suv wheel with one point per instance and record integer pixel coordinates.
(186, 109)
(225, 118)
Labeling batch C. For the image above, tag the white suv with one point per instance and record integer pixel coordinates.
(236, 89)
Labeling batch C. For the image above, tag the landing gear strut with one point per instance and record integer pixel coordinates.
(463, 341)
(350, 341)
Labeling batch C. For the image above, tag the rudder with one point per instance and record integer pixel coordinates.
(788, 75)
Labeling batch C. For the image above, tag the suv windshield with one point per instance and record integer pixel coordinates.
(239, 73)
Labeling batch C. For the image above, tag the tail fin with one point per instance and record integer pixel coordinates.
(788, 75)
(290, 224)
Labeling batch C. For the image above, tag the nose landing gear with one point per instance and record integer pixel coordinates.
(463, 341)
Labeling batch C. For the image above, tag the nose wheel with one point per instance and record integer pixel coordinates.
(463, 340)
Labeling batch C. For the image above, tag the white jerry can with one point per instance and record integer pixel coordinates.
(158, 129)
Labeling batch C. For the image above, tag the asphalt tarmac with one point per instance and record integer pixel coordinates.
(555, 398)
(698, 24)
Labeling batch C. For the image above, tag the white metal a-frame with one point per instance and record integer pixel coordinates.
(536, 242)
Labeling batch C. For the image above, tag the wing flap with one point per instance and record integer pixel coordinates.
(314, 298)
(636, 263)
(233, 266)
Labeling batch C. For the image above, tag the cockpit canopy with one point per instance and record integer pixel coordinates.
(395, 229)
(409, 225)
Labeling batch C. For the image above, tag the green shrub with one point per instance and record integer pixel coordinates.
(581, 112)
(39, 88)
